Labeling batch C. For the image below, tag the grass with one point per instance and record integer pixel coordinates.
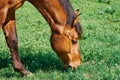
(100, 44)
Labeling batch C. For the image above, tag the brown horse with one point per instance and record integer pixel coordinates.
(66, 29)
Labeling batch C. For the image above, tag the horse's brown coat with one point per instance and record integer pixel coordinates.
(64, 26)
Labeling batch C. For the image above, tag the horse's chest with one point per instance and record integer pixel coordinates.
(14, 4)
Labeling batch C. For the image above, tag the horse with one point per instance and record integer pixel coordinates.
(64, 24)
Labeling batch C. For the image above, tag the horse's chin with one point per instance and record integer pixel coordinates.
(71, 59)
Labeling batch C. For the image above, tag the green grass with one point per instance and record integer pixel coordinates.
(100, 44)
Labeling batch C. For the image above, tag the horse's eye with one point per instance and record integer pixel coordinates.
(74, 41)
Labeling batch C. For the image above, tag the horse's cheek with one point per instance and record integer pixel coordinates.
(60, 44)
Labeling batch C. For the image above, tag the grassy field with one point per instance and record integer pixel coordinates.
(100, 44)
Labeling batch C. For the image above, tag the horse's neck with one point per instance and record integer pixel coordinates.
(52, 11)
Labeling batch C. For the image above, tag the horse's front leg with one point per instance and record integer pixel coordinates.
(9, 29)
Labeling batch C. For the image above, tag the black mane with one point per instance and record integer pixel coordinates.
(71, 15)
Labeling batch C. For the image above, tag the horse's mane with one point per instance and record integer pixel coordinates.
(71, 15)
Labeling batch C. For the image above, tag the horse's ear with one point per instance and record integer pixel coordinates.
(77, 12)
(75, 21)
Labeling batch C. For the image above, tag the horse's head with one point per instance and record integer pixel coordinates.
(65, 29)
(65, 44)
